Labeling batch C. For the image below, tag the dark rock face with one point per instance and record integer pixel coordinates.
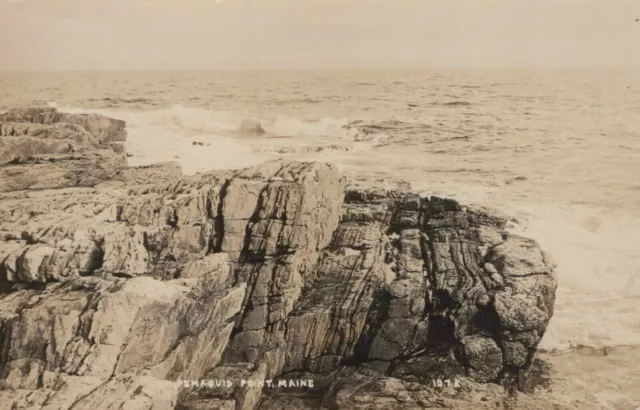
(114, 289)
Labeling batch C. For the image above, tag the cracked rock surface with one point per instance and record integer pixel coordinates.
(118, 282)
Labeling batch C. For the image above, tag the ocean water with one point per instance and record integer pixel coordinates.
(558, 150)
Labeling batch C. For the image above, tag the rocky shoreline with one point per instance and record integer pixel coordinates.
(120, 283)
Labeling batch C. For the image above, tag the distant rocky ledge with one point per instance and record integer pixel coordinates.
(124, 287)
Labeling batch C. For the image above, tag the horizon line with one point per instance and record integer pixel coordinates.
(245, 69)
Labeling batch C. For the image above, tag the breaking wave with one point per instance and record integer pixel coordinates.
(196, 121)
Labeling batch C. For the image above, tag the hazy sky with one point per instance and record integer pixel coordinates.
(203, 34)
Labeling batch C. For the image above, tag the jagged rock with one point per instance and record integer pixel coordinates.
(109, 331)
(119, 279)
(276, 231)
(437, 300)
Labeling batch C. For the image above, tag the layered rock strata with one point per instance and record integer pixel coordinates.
(118, 282)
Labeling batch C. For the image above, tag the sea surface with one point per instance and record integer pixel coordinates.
(558, 150)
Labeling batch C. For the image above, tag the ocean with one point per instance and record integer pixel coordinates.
(557, 150)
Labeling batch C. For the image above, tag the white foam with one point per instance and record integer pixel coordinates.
(597, 248)
(598, 300)
(285, 126)
(169, 135)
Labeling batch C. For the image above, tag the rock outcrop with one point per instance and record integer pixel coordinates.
(48, 149)
(117, 283)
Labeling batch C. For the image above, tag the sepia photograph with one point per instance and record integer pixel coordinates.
(319, 204)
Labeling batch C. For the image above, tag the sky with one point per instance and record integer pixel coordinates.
(317, 34)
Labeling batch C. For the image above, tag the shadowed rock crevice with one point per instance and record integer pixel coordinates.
(118, 281)
(216, 241)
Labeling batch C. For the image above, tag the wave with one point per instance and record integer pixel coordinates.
(198, 139)
(122, 100)
(251, 127)
(309, 149)
(385, 132)
(286, 126)
(454, 104)
(303, 100)
(195, 121)
(179, 132)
